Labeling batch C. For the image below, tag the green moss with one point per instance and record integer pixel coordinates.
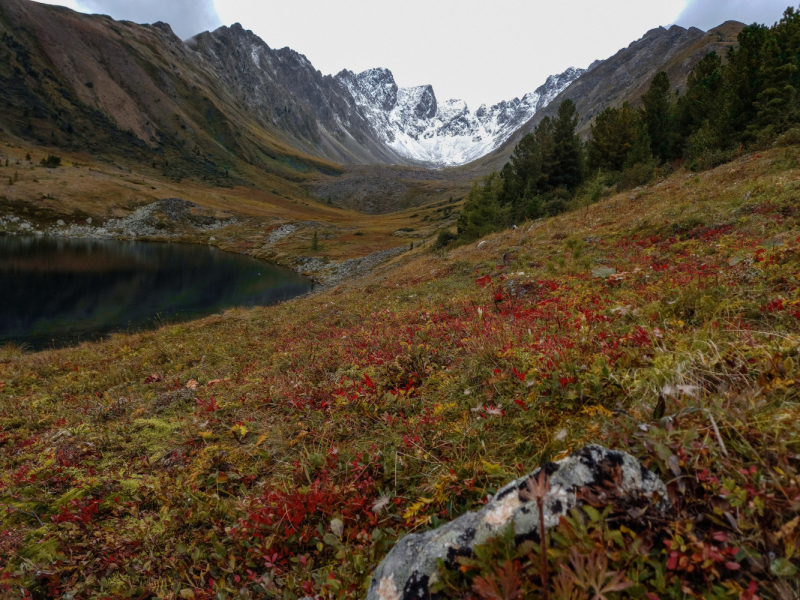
(41, 552)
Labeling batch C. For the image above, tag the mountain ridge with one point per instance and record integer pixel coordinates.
(624, 77)
(417, 126)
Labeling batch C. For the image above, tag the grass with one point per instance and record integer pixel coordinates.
(280, 452)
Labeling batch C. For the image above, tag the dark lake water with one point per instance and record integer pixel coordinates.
(59, 291)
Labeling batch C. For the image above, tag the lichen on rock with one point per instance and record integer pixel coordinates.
(411, 568)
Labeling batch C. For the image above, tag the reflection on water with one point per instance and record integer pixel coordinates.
(58, 291)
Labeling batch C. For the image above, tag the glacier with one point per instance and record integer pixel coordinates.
(419, 128)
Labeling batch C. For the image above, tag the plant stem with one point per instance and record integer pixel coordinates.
(543, 548)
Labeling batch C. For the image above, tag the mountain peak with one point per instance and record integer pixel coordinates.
(419, 128)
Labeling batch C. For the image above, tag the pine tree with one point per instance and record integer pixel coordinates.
(699, 103)
(483, 212)
(658, 116)
(315, 242)
(777, 101)
(568, 161)
(616, 132)
(742, 83)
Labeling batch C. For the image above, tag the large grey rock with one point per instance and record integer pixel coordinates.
(604, 475)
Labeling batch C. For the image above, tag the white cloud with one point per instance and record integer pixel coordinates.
(707, 14)
(472, 49)
(187, 17)
(479, 51)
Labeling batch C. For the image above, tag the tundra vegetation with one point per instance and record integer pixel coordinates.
(281, 451)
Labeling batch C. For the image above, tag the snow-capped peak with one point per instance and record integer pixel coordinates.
(414, 124)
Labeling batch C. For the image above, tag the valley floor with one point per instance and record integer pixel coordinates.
(274, 221)
(214, 458)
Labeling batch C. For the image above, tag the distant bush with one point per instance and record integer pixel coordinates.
(51, 161)
(444, 239)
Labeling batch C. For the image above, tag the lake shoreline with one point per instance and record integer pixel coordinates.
(63, 291)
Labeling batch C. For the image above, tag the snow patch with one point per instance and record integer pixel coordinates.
(413, 123)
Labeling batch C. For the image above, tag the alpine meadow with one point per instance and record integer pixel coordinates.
(551, 348)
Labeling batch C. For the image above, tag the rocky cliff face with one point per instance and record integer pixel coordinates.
(420, 129)
(282, 90)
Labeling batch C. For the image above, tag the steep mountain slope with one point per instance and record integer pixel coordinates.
(282, 90)
(625, 77)
(417, 127)
(132, 93)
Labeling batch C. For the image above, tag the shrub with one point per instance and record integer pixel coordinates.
(790, 138)
(51, 161)
(444, 239)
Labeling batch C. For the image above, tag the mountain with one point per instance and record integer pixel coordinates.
(417, 127)
(137, 89)
(223, 108)
(281, 90)
(624, 77)
(137, 94)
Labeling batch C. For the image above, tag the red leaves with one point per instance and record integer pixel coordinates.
(368, 382)
(483, 281)
(78, 511)
(210, 405)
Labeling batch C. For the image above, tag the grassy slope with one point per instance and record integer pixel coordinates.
(84, 187)
(214, 455)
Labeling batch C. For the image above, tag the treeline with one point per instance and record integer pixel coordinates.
(748, 101)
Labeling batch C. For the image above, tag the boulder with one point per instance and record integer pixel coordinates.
(594, 472)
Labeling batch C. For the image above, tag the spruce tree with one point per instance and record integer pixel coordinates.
(699, 103)
(615, 134)
(568, 162)
(658, 116)
(777, 101)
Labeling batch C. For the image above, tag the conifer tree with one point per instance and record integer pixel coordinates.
(658, 116)
(568, 163)
(616, 132)
(736, 109)
(483, 212)
(777, 101)
(699, 103)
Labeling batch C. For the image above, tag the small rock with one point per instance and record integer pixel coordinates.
(60, 223)
(89, 221)
(614, 477)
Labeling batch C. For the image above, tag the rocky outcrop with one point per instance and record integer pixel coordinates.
(594, 472)
(333, 273)
(167, 218)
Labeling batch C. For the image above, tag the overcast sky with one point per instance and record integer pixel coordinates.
(476, 50)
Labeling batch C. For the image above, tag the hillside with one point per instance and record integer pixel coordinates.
(624, 77)
(281, 452)
(224, 102)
